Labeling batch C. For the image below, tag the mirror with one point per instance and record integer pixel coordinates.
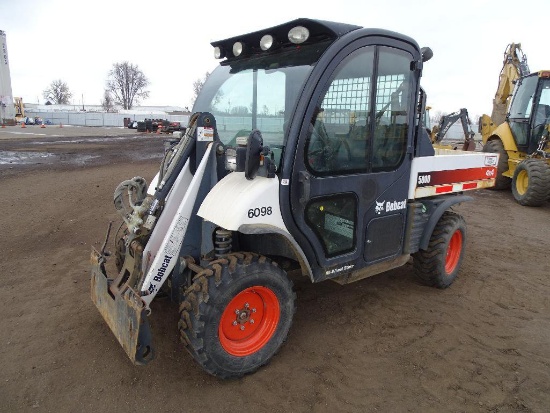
(427, 54)
(254, 148)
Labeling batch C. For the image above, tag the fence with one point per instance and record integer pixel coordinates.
(100, 118)
(225, 123)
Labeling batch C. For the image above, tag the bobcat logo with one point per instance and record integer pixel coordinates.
(379, 207)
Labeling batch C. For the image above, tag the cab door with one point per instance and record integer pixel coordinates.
(351, 173)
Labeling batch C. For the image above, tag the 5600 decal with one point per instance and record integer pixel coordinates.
(257, 212)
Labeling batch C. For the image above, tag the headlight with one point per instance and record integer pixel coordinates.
(237, 49)
(298, 34)
(266, 42)
(218, 53)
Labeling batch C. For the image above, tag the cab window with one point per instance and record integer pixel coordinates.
(352, 132)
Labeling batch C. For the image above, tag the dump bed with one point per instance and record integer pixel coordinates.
(451, 171)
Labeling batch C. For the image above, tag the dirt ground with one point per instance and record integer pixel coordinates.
(383, 344)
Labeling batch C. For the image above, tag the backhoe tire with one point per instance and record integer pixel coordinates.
(440, 263)
(237, 314)
(531, 182)
(496, 146)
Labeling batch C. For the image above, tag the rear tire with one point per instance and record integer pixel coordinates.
(237, 314)
(496, 146)
(531, 182)
(440, 263)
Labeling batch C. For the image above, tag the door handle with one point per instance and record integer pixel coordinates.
(304, 178)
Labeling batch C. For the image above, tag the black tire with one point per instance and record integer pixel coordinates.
(216, 334)
(531, 182)
(496, 146)
(440, 263)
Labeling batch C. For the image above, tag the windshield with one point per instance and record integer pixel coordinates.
(258, 93)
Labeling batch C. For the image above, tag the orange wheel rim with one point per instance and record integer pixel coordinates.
(453, 252)
(249, 321)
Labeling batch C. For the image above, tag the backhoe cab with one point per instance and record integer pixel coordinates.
(306, 154)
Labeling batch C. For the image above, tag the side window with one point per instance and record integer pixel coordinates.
(337, 141)
(393, 100)
(523, 99)
(520, 109)
(333, 221)
(542, 112)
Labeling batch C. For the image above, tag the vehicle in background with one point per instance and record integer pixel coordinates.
(439, 131)
(519, 129)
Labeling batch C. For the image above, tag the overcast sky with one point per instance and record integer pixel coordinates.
(170, 41)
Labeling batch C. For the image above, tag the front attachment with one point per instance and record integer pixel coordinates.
(124, 311)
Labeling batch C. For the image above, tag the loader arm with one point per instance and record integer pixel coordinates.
(514, 66)
(155, 230)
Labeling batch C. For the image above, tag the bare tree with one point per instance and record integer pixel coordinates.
(108, 103)
(197, 86)
(58, 92)
(240, 110)
(436, 117)
(127, 84)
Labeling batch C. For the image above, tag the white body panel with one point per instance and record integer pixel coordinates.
(236, 202)
(165, 259)
(451, 171)
(173, 201)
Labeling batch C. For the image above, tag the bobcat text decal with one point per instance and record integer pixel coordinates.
(390, 206)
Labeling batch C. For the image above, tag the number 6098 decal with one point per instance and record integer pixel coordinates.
(257, 212)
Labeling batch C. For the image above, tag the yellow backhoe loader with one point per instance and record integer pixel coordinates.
(518, 129)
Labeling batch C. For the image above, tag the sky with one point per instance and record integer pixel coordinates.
(170, 41)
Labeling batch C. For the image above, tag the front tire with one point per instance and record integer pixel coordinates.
(496, 146)
(439, 264)
(531, 182)
(237, 314)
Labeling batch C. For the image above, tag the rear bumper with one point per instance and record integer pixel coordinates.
(124, 312)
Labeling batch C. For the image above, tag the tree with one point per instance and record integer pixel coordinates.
(58, 92)
(108, 103)
(240, 110)
(127, 84)
(436, 117)
(197, 86)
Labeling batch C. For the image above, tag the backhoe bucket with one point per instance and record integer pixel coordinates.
(124, 311)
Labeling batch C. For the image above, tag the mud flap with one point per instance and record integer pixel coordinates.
(124, 312)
